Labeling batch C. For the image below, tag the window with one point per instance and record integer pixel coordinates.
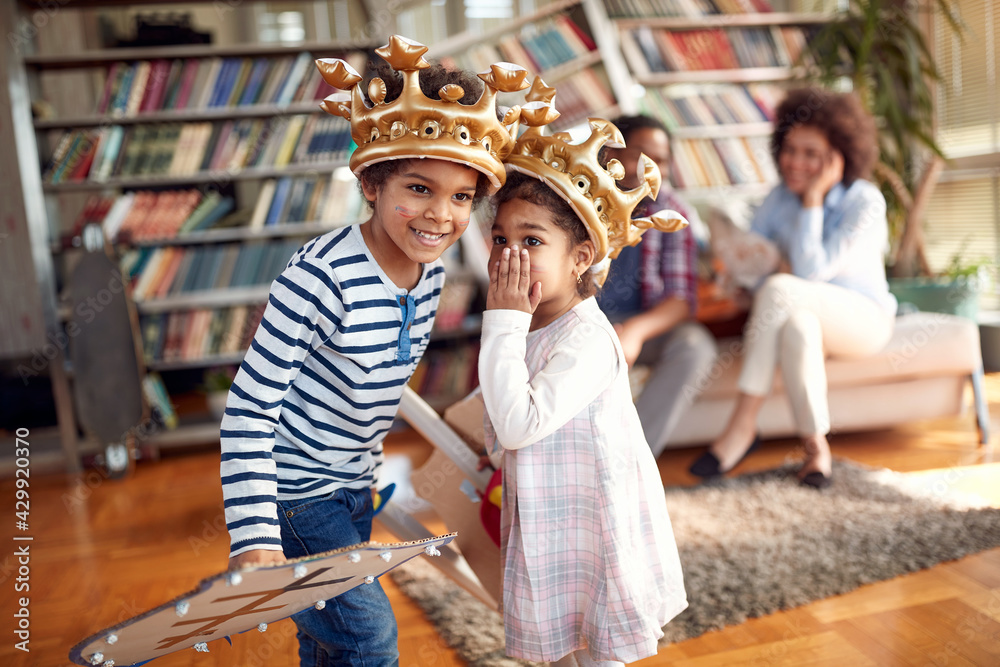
(963, 216)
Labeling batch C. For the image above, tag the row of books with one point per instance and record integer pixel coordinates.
(455, 304)
(145, 214)
(719, 49)
(540, 47)
(132, 88)
(183, 149)
(170, 270)
(704, 105)
(685, 8)
(448, 373)
(189, 335)
(703, 163)
(582, 95)
(160, 215)
(333, 199)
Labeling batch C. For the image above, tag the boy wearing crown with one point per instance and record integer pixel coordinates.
(345, 326)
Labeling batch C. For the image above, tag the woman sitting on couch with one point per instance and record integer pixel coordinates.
(829, 222)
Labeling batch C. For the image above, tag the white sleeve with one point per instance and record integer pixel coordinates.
(524, 409)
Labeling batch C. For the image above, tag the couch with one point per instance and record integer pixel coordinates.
(921, 374)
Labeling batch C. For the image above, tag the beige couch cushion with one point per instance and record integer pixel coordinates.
(922, 345)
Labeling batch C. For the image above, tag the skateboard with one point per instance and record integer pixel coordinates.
(247, 599)
(107, 360)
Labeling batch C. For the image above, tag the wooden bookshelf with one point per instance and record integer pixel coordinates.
(297, 103)
(578, 95)
(718, 150)
(101, 57)
(725, 21)
(180, 115)
(203, 362)
(742, 75)
(466, 40)
(202, 178)
(216, 298)
(720, 131)
(314, 228)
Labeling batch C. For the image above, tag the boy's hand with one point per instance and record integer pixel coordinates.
(256, 558)
(510, 283)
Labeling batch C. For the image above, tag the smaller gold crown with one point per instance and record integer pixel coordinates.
(415, 126)
(575, 173)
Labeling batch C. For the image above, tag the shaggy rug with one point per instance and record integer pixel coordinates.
(760, 543)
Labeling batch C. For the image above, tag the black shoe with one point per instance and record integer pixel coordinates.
(707, 464)
(816, 480)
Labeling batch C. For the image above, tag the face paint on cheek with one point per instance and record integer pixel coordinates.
(406, 212)
(463, 223)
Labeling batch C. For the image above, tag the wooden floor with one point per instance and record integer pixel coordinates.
(106, 550)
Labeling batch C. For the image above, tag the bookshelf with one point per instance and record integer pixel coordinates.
(569, 43)
(235, 167)
(714, 71)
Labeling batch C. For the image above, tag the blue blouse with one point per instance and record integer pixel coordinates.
(842, 243)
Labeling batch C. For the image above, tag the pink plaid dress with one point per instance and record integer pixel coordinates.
(589, 555)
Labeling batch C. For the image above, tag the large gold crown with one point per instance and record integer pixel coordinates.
(575, 173)
(416, 126)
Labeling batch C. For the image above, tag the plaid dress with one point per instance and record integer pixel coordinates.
(589, 555)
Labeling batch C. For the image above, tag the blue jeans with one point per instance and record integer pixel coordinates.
(357, 627)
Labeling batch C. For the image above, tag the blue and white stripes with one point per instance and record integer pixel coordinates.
(321, 382)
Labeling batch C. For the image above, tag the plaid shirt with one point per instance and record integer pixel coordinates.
(665, 265)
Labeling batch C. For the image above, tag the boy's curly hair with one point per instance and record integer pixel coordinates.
(432, 79)
(534, 191)
(841, 118)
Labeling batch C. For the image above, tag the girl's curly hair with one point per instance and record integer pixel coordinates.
(841, 118)
(432, 79)
(534, 191)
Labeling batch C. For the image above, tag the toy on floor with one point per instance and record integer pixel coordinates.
(489, 510)
(237, 601)
(381, 497)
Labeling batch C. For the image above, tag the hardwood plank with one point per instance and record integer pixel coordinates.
(105, 550)
(819, 650)
(982, 567)
(987, 603)
(860, 639)
(901, 592)
(961, 630)
(892, 633)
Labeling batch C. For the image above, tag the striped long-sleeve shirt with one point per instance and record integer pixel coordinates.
(320, 385)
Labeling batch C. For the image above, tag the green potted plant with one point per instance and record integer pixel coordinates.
(216, 384)
(955, 291)
(879, 45)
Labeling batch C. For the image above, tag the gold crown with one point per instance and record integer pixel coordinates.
(576, 174)
(415, 126)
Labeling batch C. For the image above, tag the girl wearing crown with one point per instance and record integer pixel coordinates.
(345, 326)
(591, 571)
